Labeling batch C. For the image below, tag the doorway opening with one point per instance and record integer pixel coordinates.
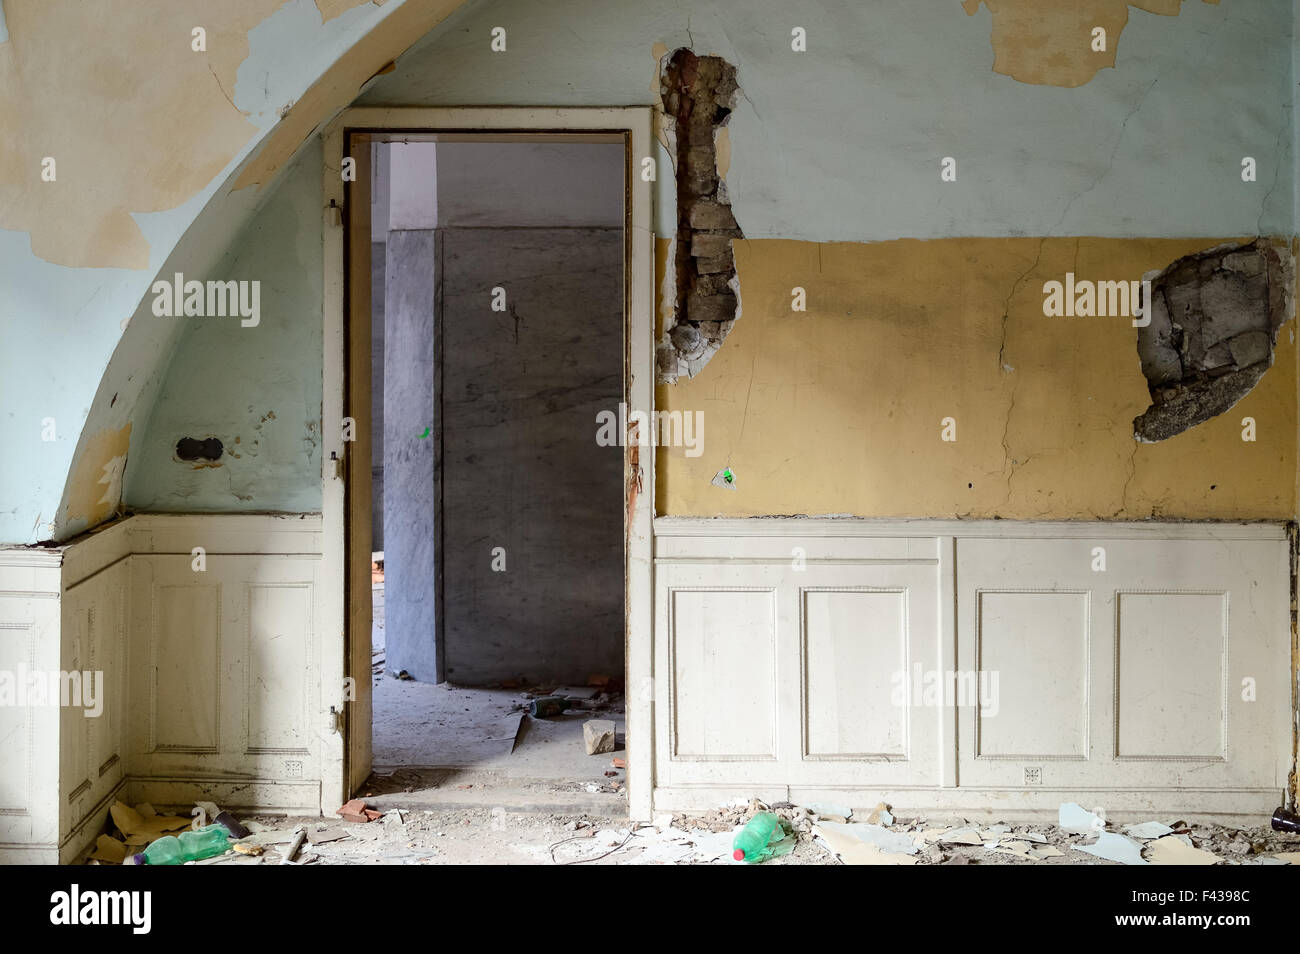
(497, 270)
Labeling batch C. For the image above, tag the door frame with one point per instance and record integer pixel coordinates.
(346, 738)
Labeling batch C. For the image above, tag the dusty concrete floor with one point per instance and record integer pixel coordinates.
(481, 835)
(444, 746)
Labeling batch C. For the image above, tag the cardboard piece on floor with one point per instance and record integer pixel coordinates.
(1046, 851)
(270, 837)
(1286, 857)
(328, 835)
(1114, 847)
(142, 825)
(853, 851)
(1172, 851)
(109, 849)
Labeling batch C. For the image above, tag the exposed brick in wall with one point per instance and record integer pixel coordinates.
(698, 95)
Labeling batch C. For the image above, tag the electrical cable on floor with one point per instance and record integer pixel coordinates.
(579, 861)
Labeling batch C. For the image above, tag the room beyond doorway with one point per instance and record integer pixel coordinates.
(497, 301)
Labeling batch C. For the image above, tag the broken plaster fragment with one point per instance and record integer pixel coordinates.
(1115, 847)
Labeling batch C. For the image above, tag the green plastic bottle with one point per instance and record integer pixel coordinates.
(752, 843)
(207, 842)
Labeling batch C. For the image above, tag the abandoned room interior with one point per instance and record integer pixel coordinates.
(647, 432)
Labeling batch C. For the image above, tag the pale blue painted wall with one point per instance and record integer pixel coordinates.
(63, 351)
(256, 389)
(843, 142)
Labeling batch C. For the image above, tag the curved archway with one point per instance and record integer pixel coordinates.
(92, 490)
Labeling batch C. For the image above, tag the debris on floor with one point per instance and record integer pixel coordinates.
(1077, 820)
(1113, 847)
(598, 736)
(763, 837)
(1178, 850)
(863, 844)
(355, 810)
(141, 825)
(817, 833)
(548, 706)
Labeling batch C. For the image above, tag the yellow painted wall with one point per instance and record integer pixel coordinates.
(838, 410)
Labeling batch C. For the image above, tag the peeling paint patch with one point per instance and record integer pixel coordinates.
(1215, 316)
(95, 490)
(339, 85)
(1052, 44)
(329, 9)
(100, 85)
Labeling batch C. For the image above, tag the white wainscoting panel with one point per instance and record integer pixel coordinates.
(973, 666)
(92, 747)
(1122, 665)
(786, 669)
(225, 663)
(29, 736)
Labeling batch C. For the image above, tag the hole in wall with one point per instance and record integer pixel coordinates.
(1215, 316)
(698, 94)
(190, 448)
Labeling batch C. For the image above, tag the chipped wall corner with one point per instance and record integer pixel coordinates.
(1214, 320)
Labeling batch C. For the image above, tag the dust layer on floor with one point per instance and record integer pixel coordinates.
(820, 834)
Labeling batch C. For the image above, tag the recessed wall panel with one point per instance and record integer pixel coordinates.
(1032, 675)
(15, 729)
(186, 676)
(855, 658)
(724, 679)
(1169, 669)
(279, 640)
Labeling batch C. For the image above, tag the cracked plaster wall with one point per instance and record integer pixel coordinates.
(1137, 151)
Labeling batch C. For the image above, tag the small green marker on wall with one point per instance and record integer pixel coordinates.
(725, 479)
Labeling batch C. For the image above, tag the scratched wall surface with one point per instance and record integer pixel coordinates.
(841, 143)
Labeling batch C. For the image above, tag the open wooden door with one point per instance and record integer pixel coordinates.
(345, 622)
(357, 478)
